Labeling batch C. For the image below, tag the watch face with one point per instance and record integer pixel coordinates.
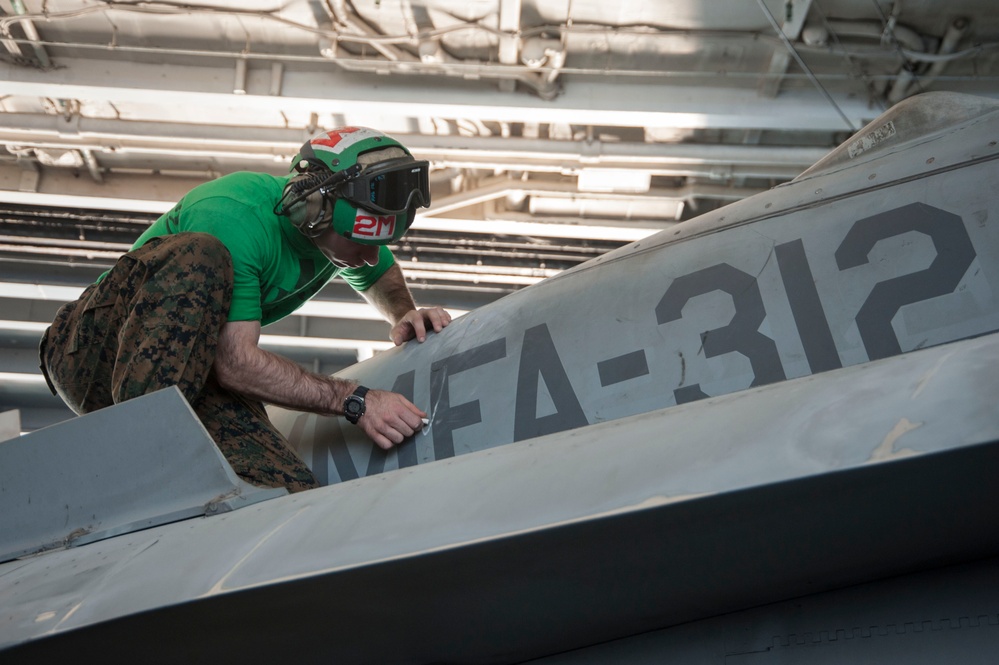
(353, 408)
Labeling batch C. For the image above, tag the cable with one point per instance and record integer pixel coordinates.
(801, 63)
(875, 97)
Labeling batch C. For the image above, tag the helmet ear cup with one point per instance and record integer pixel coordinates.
(305, 214)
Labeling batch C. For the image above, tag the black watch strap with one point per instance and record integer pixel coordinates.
(353, 406)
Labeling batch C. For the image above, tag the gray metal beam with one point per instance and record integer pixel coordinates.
(646, 104)
(796, 12)
(278, 145)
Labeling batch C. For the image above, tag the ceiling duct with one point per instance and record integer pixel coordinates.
(620, 208)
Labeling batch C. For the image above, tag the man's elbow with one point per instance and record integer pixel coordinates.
(227, 372)
(236, 355)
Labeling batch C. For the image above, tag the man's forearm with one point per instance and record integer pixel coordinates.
(270, 378)
(390, 295)
(389, 419)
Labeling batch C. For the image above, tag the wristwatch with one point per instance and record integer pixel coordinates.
(353, 406)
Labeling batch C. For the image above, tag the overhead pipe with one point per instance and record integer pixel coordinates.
(434, 60)
(509, 41)
(442, 65)
(912, 45)
(11, 44)
(499, 187)
(955, 33)
(905, 37)
(903, 82)
(818, 34)
(548, 88)
(32, 34)
(911, 82)
(342, 15)
(92, 166)
(502, 163)
(525, 154)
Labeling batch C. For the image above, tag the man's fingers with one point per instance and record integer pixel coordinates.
(439, 318)
(390, 418)
(408, 421)
(412, 420)
(384, 436)
(417, 323)
(419, 326)
(380, 441)
(399, 333)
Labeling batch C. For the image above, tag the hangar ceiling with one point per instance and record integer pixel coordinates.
(556, 130)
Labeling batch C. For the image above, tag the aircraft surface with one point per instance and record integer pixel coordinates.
(766, 435)
(878, 249)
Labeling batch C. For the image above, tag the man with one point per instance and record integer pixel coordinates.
(185, 306)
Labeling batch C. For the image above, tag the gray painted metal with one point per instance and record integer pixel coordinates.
(145, 462)
(887, 245)
(10, 425)
(649, 103)
(560, 542)
(947, 615)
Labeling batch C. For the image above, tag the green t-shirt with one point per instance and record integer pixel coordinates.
(275, 268)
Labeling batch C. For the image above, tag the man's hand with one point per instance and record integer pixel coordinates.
(389, 418)
(243, 367)
(390, 296)
(417, 322)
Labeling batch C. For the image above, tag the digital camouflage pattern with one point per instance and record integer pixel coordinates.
(153, 322)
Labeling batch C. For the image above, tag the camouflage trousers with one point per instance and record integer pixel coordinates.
(154, 322)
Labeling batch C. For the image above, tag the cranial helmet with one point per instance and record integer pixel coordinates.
(362, 182)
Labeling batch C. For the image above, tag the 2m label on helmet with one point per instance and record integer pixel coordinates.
(373, 227)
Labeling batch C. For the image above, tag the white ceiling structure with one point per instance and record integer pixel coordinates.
(556, 130)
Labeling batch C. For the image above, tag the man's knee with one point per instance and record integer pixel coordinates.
(206, 249)
(196, 256)
(185, 271)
